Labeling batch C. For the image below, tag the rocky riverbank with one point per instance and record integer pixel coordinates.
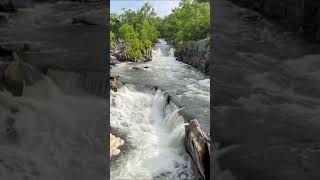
(118, 53)
(299, 15)
(196, 54)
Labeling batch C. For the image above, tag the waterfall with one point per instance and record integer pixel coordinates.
(155, 129)
(46, 131)
(171, 52)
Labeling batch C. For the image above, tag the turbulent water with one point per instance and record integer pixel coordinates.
(266, 97)
(52, 131)
(190, 86)
(154, 128)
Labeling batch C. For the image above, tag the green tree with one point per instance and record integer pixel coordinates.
(112, 39)
(188, 22)
(130, 37)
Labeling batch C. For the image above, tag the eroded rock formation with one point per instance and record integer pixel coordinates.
(196, 54)
(198, 146)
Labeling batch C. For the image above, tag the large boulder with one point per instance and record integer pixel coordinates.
(196, 54)
(198, 146)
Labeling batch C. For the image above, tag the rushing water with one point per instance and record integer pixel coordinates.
(153, 127)
(57, 135)
(267, 97)
(191, 87)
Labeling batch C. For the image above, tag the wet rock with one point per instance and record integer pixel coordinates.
(14, 76)
(198, 146)
(112, 59)
(136, 68)
(115, 84)
(171, 97)
(115, 143)
(196, 54)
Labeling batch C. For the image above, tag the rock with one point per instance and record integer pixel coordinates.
(171, 97)
(198, 146)
(14, 76)
(115, 84)
(196, 54)
(112, 59)
(115, 143)
(136, 68)
(7, 6)
(146, 67)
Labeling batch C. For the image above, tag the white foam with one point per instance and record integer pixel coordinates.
(156, 131)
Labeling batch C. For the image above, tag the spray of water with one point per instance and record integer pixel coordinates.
(49, 132)
(156, 131)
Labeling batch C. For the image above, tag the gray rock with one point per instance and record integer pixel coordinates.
(196, 54)
(198, 146)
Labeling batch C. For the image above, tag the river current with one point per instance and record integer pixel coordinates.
(152, 128)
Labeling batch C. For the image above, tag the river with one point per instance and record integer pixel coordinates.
(266, 84)
(57, 129)
(154, 129)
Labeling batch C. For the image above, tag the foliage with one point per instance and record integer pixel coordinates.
(112, 39)
(137, 29)
(188, 22)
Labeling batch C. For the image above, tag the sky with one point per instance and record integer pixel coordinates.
(162, 7)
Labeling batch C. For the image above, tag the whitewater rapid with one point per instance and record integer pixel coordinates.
(155, 129)
(152, 126)
(57, 135)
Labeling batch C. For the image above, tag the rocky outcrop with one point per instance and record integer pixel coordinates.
(196, 54)
(299, 15)
(198, 146)
(118, 51)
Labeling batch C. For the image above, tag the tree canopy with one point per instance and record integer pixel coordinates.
(190, 21)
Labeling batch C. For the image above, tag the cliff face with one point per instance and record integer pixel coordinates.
(299, 15)
(196, 54)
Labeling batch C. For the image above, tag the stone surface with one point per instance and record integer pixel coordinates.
(198, 146)
(196, 54)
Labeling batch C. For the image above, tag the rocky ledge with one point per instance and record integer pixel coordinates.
(196, 54)
(118, 52)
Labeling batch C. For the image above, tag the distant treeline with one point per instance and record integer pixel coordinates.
(190, 21)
